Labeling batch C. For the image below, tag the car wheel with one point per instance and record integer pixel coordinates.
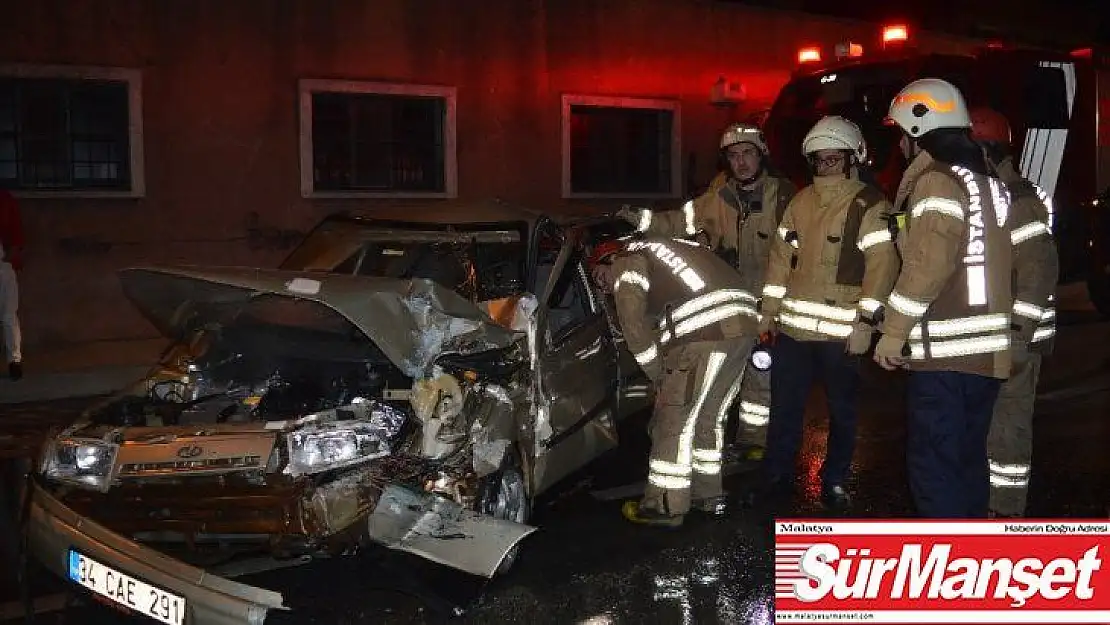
(504, 495)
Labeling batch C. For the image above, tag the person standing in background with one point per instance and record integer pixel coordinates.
(11, 260)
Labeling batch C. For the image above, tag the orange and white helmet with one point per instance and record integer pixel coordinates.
(928, 104)
(835, 133)
(744, 133)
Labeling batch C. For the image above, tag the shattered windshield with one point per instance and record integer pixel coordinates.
(482, 263)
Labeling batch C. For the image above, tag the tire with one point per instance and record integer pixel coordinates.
(504, 495)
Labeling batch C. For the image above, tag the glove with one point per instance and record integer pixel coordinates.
(630, 213)
(860, 339)
(888, 353)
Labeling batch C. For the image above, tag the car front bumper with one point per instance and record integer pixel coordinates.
(53, 529)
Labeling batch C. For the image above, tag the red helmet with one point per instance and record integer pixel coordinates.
(603, 250)
(990, 126)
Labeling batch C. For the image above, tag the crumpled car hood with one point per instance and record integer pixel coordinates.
(410, 321)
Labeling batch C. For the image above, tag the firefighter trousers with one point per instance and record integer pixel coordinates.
(755, 408)
(946, 442)
(699, 382)
(1010, 441)
(797, 365)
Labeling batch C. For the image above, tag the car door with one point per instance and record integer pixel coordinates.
(635, 392)
(576, 364)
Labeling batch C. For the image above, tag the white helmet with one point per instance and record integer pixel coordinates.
(927, 104)
(744, 133)
(835, 133)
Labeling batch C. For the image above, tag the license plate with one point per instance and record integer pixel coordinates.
(125, 590)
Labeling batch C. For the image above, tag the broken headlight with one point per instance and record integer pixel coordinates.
(80, 461)
(323, 446)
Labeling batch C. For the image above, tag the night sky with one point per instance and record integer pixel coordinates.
(1087, 21)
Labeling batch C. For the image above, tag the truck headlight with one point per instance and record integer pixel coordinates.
(323, 446)
(86, 462)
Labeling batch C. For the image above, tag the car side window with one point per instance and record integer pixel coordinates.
(569, 305)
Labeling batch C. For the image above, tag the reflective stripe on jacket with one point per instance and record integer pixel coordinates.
(739, 230)
(833, 262)
(952, 299)
(1036, 264)
(670, 292)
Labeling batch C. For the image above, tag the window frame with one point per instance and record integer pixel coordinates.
(308, 86)
(659, 104)
(134, 80)
(580, 284)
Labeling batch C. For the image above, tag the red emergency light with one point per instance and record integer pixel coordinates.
(809, 55)
(895, 33)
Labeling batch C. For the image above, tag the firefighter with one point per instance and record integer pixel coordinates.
(739, 213)
(690, 325)
(1035, 271)
(832, 263)
(948, 318)
(11, 249)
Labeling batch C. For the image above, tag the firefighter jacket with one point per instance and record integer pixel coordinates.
(952, 300)
(670, 292)
(833, 260)
(1035, 262)
(739, 223)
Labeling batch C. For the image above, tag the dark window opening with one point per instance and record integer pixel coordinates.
(64, 134)
(1046, 95)
(378, 142)
(622, 151)
(567, 306)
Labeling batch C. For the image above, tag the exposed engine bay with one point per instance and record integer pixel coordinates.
(466, 405)
(256, 374)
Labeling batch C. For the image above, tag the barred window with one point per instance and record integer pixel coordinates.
(620, 147)
(59, 133)
(377, 139)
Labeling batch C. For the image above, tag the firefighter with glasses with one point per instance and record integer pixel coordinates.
(690, 323)
(832, 264)
(740, 215)
(1035, 271)
(948, 318)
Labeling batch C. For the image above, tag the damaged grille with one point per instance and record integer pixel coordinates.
(185, 455)
(135, 469)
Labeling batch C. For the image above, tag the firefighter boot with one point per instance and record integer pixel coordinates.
(836, 499)
(638, 513)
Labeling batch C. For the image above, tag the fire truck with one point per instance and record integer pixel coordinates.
(1058, 105)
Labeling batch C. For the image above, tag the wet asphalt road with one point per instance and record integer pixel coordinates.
(587, 566)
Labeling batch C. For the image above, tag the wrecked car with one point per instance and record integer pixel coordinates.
(403, 384)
